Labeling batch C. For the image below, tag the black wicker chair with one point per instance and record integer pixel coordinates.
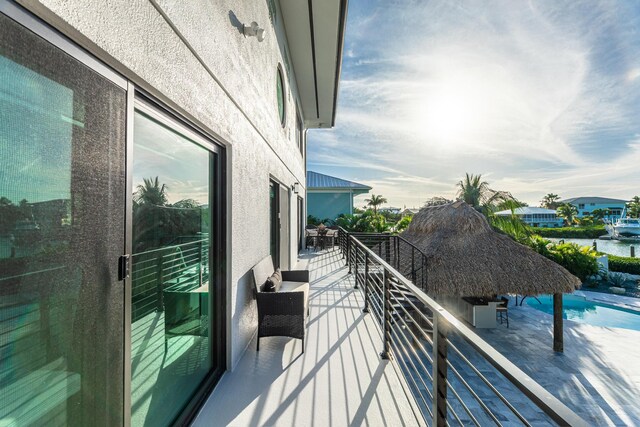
(283, 313)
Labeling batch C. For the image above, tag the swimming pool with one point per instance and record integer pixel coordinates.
(581, 310)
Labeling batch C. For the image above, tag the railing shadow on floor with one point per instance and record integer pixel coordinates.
(420, 336)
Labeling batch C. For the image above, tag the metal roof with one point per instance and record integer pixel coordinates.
(527, 210)
(590, 199)
(318, 181)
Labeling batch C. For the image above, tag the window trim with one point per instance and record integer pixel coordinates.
(280, 79)
(49, 34)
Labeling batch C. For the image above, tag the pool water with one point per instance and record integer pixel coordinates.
(594, 313)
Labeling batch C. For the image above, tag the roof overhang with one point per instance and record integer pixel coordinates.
(354, 191)
(315, 35)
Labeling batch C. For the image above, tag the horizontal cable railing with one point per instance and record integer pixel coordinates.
(153, 271)
(455, 376)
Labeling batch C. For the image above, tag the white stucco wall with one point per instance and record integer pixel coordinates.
(230, 88)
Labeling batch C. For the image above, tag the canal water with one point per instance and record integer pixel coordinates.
(612, 247)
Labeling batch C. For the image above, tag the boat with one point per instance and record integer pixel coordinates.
(627, 227)
(624, 227)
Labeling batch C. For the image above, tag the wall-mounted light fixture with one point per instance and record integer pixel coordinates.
(296, 188)
(253, 30)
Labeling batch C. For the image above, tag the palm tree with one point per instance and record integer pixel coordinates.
(375, 201)
(151, 192)
(633, 207)
(550, 201)
(568, 212)
(476, 192)
(471, 190)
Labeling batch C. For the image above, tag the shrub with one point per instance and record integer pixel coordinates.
(403, 223)
(624, 264)
(579, 261)
(616, 279)
(592, 232)
(367, 222)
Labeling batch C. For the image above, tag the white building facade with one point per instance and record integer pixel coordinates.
(172, 136)
(586, 206)
(535, 217)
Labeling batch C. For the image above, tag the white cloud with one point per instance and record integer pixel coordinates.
(539, 97)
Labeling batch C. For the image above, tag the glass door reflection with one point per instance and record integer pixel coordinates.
(171, 310)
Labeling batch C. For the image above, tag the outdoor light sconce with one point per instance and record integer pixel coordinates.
(253, 30)
(296, 188)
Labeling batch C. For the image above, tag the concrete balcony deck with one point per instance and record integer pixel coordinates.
(339, 380)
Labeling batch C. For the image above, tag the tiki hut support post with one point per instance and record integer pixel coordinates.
(558, 338)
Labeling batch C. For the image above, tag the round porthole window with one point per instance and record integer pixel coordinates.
(280, 94)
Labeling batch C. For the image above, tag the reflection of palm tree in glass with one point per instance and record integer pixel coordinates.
(158, 223)
(151, 192)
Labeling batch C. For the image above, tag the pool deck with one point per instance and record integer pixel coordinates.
(598, 375)
(628, 303)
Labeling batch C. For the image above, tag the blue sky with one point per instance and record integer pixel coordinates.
(538, 97)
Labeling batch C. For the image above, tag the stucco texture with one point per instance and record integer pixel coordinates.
(229, 85)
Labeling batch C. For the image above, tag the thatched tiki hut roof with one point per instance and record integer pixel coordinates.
(466, 257)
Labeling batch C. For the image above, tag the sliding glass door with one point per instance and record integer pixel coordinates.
(83, 177)
(62, 180)
(175, 337)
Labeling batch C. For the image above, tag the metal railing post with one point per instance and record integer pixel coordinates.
(349, 252)
(386, 315)
(356, 267)
(413, 265)
(387, 249)
(366, 283)
(439, 371)
(159, 280)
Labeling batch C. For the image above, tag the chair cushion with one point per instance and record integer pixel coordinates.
(297, 287)
(273, 283)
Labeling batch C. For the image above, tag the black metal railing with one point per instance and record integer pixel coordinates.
(153, 271)
(455, 376)
(398, 252)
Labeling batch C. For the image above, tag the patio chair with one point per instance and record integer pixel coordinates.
(282, 312)
(502, 310)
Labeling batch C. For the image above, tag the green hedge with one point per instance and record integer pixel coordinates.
(624, 264)
(571, 232)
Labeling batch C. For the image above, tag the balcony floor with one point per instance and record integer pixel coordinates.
(339, 380)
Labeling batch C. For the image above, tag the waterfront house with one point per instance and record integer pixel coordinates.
(329, 197)
(535, 217)
(160, 149)
(586, 206)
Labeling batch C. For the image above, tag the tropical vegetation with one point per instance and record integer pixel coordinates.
(568, 212)
(580, 261)
(591, 232)
(550, 201)
(473, 190)
(375, 201)
(368, 222)
(158, 223)
(633, 207)
(624, 264)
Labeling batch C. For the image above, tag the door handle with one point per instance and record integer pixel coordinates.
(123, 266)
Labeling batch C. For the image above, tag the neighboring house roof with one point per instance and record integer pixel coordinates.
(589, 199)
(411, 211)
(315, 36)
(318, 181)
(527, 210)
